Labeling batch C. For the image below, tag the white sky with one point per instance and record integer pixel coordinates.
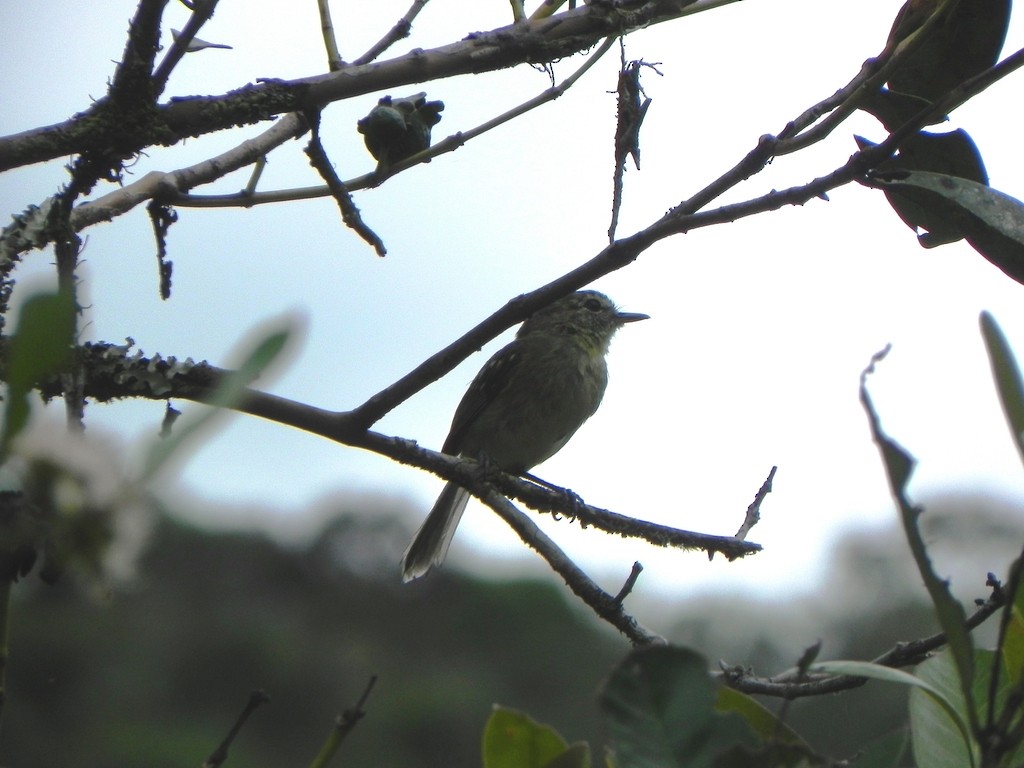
(759, 329)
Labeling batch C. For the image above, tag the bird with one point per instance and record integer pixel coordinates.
(398, 128)
(525, 403)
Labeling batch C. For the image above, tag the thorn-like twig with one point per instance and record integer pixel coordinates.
(334, 60)
(603, 604)
(401, 30)
(627, 587)
(349, 212)
(754, 510)
(790, 686)
(220, 754)
(343, 726)
(202, 12)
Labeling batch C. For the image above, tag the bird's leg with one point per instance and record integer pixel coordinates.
(487, 469)
(572, 499)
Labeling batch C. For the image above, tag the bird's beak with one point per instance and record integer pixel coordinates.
(630, 317)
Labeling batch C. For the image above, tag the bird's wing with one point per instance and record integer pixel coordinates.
(491, 380)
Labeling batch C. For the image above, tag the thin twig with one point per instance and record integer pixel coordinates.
(845, 101)
(349, 212)
(552, 499)
(627, 587)
(66, 250)
(220, 754)
(754, 510)
(133, 76)
(254, 178)
(5, 647)
(113, 372)
(202, 12)
(401, 30)
(170, 187)
(603, 604)
(900, 655)
(343, 726)
(334, 60)
(995, 676)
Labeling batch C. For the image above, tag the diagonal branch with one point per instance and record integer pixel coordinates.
(904, 654)
(349, 212)
(168, 187)
(133, 74)
(398, 32)
(202, 12)
(334, 60)
(604, 605)
(115, 372)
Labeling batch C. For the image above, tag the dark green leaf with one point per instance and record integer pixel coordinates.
(1007, 377)
(899, 466)
(772, 756)
(1009, 660)
(960, 46)
(992, 222)
(934, 743)
(40, 348)
(886, 752)
(760, 719)
(951, 154)
(893, 109)
(228, 393)
(514, 740)
(938, 740)
(659, 708)
(576, 756)
(1011, 643)
(938, 695)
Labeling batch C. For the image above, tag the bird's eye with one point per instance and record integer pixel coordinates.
(593, 305)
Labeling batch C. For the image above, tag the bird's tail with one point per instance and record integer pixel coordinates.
(430, 545)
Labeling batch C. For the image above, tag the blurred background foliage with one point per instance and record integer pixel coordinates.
(154, 672)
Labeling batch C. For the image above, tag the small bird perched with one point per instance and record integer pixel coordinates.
(398, 128)
(524, 405)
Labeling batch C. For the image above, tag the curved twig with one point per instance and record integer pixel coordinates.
(398, 32)
(789, 685)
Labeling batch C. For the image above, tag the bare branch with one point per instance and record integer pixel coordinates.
(375, 178)
(349, 211)
(627, 587)
(115, 372)
(168, 187)
(220, 754)
(604, 605)
(788, 685)
(202, 12)
(343, 726)
(535, 42)
(334, 60)
(754, 510)
(132, 78)
(398, 32)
